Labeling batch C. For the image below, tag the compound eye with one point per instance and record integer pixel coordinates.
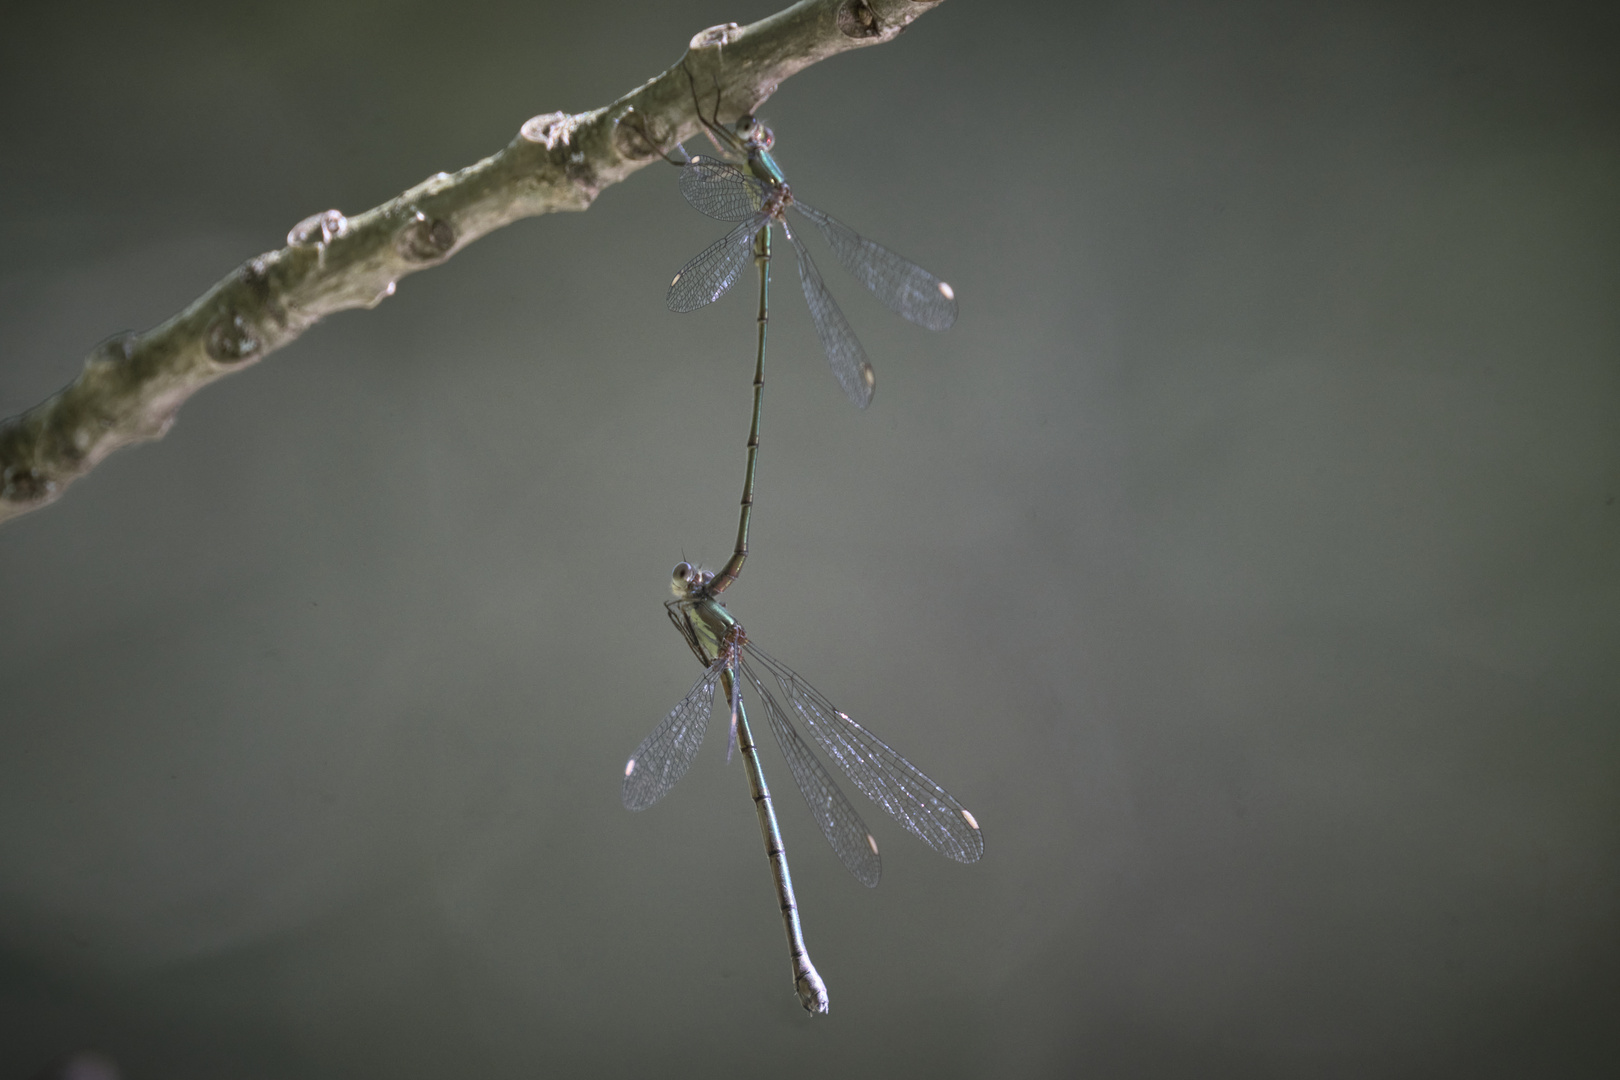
(683, 571)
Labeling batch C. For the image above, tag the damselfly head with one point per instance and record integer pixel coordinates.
(687, 580)
(755, 135)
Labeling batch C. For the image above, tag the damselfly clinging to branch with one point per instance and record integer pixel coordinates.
(756, 195)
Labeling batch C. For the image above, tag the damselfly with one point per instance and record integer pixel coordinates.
(756, 196)
(729, 659)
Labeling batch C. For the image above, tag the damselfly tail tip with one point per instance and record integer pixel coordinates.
(812, 991)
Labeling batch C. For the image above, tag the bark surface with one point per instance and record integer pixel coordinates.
(133, 385)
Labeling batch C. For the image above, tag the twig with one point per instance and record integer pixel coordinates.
(133, 385)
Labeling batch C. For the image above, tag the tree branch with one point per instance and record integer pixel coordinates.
(133, 385)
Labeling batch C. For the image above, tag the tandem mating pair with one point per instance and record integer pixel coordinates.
(750, 189)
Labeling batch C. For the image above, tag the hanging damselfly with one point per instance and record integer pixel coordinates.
(754, 193)
(730, 658)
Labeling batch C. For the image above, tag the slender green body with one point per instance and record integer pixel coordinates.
(762, 165)
(806, 980)
(728, 573)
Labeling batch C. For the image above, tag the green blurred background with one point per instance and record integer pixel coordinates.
(1247, 557)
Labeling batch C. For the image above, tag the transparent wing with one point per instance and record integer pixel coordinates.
(839, 821)
(904, 287)
(885, 777)
(721, 190)
(849, 364)
(664, 756)
(712, 271)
